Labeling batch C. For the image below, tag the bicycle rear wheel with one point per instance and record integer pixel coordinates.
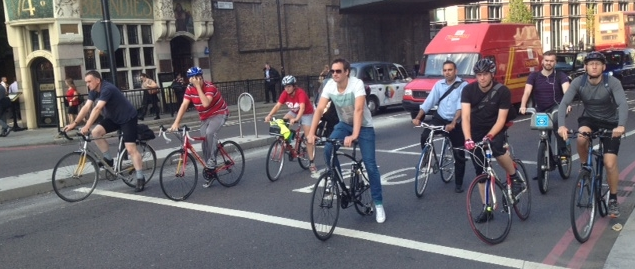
(149, 164)
(423, 170)
(233, 158)
(446, 161)
(303, 154)
(542, 173)
(564, 165)
(178, 175)
(275, 160)
(494, 226)
(325, 207)
(582, 207)
(75, 176)
(360, 187)
(522, 204)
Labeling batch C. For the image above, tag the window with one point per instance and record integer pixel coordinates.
(35, 41)
(574, 10)
(556, 33)
(472, 13)
(574, 31)
(134, 56)
(435, 28)
(464, 63)
(536, 9)
(607, 7)
(46, 40)
(556, 10)
(623, 6)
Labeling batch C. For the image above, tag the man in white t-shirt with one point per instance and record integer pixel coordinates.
(348, 96)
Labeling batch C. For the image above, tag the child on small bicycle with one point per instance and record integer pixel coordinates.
(300, 110)
(212, 110)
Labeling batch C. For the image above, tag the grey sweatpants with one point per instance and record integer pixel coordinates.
(209, 128)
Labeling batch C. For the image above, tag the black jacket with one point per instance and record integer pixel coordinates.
(274, 76)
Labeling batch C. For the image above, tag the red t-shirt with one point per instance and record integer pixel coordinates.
(293, 102)
(70, 94)
(218, 106)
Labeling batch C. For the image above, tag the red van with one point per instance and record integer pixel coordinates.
(515, 48)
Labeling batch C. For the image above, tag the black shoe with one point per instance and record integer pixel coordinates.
(458, 189)
(141, 183)
(157, 117)
(517, 185)
(110, 163)
(485, 216)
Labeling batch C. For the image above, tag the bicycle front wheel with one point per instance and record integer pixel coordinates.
(75, 176)
(488, 210)
(601, 190)
(446, 161)
(423, 170)
(233, 160)
(522, 204)
(148, 162)
(542, 173)
(303, 154)
(360, 188)
(325, 207)
(564, 165)
(582, 207)
(275, 160)
(178, 175)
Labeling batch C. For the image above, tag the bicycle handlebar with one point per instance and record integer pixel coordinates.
(431, 127)
(184, 129)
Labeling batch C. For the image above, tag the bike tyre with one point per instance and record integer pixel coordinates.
(522, 206)
(149, 159)
(447, 161)
(360, 187)
(423, 171)
(177, 185)
(325, 207)
(495, 230)
(303, 154)
(582, 198)
(234, 164)
(70, 188)
(542, 162)
(275, 160)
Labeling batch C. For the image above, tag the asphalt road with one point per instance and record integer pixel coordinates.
(260, 224)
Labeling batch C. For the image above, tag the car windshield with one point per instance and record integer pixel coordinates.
(614, 59)
(434, 63)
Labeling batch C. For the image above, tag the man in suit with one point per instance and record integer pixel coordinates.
(271, 78)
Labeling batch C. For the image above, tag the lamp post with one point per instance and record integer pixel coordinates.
(105, 9)
(280, 36)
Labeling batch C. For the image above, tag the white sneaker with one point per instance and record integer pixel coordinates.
(380, 214)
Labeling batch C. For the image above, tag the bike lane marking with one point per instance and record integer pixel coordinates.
(373, 237)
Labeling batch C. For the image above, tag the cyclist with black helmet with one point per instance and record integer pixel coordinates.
(212, 110)
(605, 106)
(300, 110)
(485, 104)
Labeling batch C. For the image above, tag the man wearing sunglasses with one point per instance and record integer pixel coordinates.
(348, 96)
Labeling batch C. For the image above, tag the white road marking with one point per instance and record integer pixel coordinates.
(373, 237)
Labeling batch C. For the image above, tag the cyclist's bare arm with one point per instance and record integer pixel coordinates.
(317, 115)
(179, 115)
(525, 99)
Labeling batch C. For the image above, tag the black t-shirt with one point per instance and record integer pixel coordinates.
(117, 108)
(485, 118)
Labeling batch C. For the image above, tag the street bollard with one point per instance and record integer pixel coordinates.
(246, 103)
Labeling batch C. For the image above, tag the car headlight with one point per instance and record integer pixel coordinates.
(408, 92)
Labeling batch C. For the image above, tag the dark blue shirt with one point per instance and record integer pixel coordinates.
(117, 108)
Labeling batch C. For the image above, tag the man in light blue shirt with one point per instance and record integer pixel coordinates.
(446, 95)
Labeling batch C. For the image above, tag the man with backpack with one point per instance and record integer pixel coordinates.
(605, 107)
(446, 95)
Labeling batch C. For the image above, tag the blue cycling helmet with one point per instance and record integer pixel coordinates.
(194, 71)
(484, 66)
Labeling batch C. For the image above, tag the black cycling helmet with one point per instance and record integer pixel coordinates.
(483, 66)
(594, 55)
(194, 71)
(288, 80)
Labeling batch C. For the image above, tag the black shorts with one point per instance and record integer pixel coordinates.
(611, 145)
(73, 110)
(497, 144)
(129, 129)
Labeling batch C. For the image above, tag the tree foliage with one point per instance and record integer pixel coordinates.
(590, 23)
(518, 13)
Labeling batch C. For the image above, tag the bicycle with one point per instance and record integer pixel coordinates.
(74, 181)
(484, 193)
(330, 193)
(425, 166)
(589, 192)
(547, 158)
(280, 146)
(179, 172)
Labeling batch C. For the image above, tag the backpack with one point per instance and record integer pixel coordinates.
(144, 133)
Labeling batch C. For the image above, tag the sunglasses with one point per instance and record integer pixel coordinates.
(337, 71)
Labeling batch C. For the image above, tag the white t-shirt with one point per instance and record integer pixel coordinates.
(345, 102)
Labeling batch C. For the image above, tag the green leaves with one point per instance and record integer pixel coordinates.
(518, 13)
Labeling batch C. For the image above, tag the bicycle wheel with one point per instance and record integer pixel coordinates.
(75, 176)
(361, 190)
(446, 161)
(275, 160)
(542, 173)
(325, 206)
(522, 204)
(423, 170)
(303, 154)
(494, 225)
(178, 175)
(234, 163)
(601, 189)
(582, 207)
(148, 159)
(564, 165)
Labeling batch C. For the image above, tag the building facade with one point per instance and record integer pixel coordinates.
(561, 24)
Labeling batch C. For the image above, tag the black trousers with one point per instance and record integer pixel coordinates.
(270, 88)
(457, 139)
(150, 99)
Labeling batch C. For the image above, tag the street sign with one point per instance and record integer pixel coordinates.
(98, 32)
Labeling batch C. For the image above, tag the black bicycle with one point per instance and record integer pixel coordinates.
(589, 193)
(330, 193)
(548, 158)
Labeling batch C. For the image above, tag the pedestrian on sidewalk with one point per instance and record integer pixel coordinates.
(72, 98)
(212, 110)
(150, 96)
(271, 78)
(5, 103)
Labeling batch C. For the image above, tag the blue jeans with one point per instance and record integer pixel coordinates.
(366, 143)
